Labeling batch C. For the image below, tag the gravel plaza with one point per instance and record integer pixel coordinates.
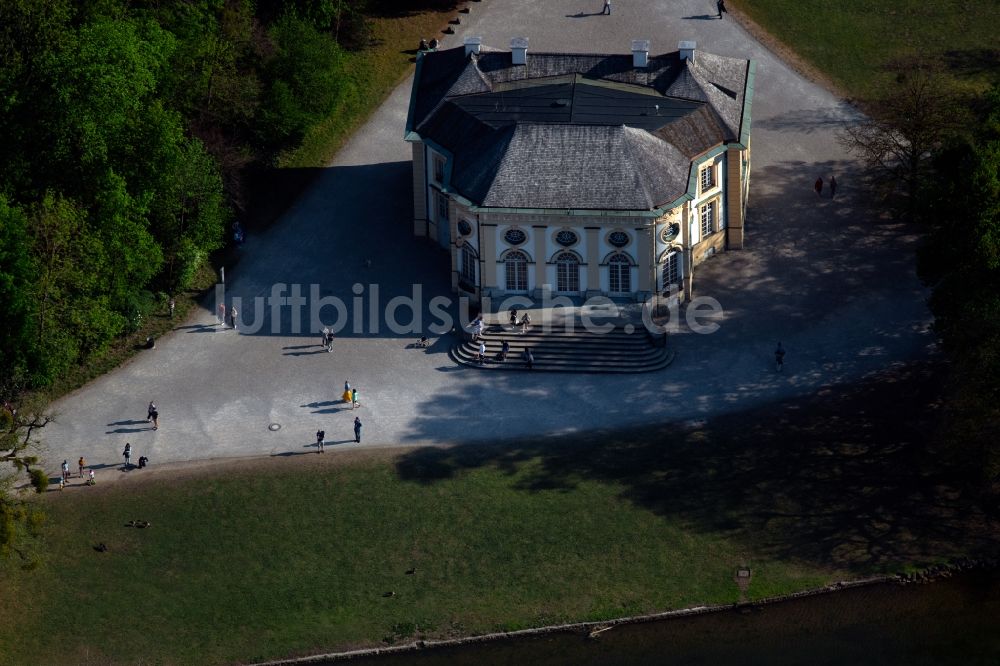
(830, 279)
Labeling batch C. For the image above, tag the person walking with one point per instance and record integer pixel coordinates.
(529, 358)
(504, 350)
(320, 440)
(347, 392)
(127, 453)
(65, 471)
(513, 318)
(779, 358)
(222, 315)
(81, 463)
(818, 186)
(482, 353)
(525, 322)
(149, 411)
(607, 8)
(721, 6)
(156, 419)
(91, 481)
(171, 304)
(232, 316)
(833, 187)
(357, 429)
(354, 398)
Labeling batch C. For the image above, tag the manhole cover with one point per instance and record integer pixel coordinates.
(274, 426)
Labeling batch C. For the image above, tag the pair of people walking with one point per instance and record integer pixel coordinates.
(351, 395)
(327, 339)
(818, 186)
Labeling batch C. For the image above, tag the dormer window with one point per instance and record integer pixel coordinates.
(438, 169)
(708, 178)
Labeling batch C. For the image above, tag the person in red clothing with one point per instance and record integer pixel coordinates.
(818, 186)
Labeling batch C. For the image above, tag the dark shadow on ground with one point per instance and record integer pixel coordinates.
(702, 17)
(843, 478)
(307, 253)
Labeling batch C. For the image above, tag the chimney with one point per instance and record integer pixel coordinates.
(519, 51)
(640, 53)
(472, 45)
(687, 50)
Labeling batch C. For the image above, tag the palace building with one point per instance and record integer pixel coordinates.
(585, 174)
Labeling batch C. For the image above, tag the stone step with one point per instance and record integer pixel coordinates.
(580, 352)
(568, 351)
(576, 366)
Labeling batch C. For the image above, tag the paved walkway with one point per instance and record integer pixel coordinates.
(834, 284)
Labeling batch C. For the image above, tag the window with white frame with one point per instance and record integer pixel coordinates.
(468, 265)
(707, 218)
(516, 264)
(438, 163)
(567, 272)
(708, 178)
(620, 274)
(671, 270)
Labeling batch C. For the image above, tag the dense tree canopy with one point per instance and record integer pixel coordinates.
(962, 260)
(126, 128)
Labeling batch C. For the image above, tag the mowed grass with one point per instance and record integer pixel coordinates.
(283, 556)
(852, 41)
(266, 563)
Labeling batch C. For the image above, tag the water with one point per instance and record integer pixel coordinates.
(956, 621)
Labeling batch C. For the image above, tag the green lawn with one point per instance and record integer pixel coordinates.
(256, 565)
(852, 40)
(293, 555)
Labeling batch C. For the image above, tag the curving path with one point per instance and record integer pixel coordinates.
(828, 278)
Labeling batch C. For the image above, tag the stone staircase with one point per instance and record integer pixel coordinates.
(625, 349)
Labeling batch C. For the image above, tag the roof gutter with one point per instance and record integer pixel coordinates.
(413, 99)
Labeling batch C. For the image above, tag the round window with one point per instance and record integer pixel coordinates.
(618, 238)
(464, 227)
(566, 238)
(515, 236)
(670, 232)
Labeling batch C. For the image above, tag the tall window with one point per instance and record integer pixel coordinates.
(517, 271)
(707, 218)
(671, 270)
(442, 206)
(567, 272)
(621, 274)
(468, 265)
(438, 168)
(708, 178)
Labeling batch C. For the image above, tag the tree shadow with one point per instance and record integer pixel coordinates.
(844, 478)
(974, 62)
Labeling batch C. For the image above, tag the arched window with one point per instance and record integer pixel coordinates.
(620, 271)
(671, 267)
(468, 265)
(516, 264)
(567, 272)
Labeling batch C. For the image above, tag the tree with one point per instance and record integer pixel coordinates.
(962, 260)
(905, 128)
(17, 275)
(19, 426)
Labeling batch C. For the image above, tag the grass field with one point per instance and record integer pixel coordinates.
(293, 555)
(852, 41)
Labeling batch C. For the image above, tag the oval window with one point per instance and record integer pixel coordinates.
(566, 238)
(515, 236)
(464, 227)
(670, 232)
(618, 238)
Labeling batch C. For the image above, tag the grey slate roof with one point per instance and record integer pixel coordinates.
(575, 130)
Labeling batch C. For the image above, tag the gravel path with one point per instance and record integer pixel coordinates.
(835, 284)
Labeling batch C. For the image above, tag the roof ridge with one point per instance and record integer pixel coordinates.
(641, 173)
